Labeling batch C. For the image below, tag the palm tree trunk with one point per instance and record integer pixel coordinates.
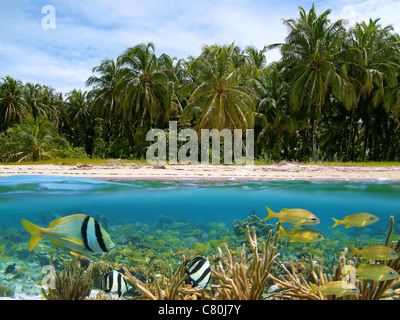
(313, 132)
(349, 153)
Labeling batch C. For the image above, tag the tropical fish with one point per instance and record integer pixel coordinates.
(218, 225)
(301, 235)
(199, 271)
(180, 224)
(173, 241)
(337, 288)
(376, 252)
(78, 232)
(298, 217)
(377, 272)
(114, 282)
(331, 245)
(360, 219)
(10, 268)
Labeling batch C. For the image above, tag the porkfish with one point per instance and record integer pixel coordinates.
(301, 235)
(337, 288)
(360, 219)
(114, 281)
(298, 217)
(82, 234)
(199, 271)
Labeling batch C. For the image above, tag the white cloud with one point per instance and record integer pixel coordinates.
(362, 10)
(91, 30)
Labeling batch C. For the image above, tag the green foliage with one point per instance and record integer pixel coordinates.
(31, 140)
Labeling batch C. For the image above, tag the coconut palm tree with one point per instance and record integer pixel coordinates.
(273, 108)
(105, 94)
(148, 93)
(52, 103)
(13, 106)
(77, 117)
(176, 73)
(33, 140)
(312, 56)
(220, 97)
(256, 58)
(33, 97)
(374, 76)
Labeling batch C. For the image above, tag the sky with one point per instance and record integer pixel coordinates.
(58, 43)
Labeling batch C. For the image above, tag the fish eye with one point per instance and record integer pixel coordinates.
(314, 218)
(394, 253)
(371, 218)
(319, 236)
(391, 273)
(353, 289)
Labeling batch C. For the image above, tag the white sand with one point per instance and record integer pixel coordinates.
(285, 171)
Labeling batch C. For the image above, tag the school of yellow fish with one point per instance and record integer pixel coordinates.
(375, 272)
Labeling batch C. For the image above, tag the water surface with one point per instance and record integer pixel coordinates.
(31, 197)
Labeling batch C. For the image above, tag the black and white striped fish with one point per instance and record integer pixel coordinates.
(78, 232)
(199, 271)
(114, 282)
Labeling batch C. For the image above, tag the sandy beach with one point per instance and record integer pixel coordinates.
(281, 171)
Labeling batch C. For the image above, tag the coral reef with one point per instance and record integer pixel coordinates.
(247, 261)
(234, 278)
(261, 227)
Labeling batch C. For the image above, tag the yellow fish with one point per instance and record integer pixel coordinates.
(78, 232)
(219, 225)
(376, 252)
(298, 217)
(301, 235)
(337, 288)
(360, 219)
(377, 272)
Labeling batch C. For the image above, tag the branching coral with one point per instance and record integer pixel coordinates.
(240, 281)
(166, 289)
(74, 283)
(295, 287)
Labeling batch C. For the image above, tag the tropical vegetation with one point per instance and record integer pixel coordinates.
(333, 96)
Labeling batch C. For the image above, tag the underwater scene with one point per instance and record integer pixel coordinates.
(64, 238)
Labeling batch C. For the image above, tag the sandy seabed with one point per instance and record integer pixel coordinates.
(281, 171)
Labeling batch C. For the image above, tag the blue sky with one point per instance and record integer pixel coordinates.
(87, 31)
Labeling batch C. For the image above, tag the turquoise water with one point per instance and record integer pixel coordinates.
(161, 220)
(198, 202)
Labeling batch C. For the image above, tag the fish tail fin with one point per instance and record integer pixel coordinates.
(337, 222)
(353, 251)
(282, 233)
(34, 230)
(271, 214)
(313, 288)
